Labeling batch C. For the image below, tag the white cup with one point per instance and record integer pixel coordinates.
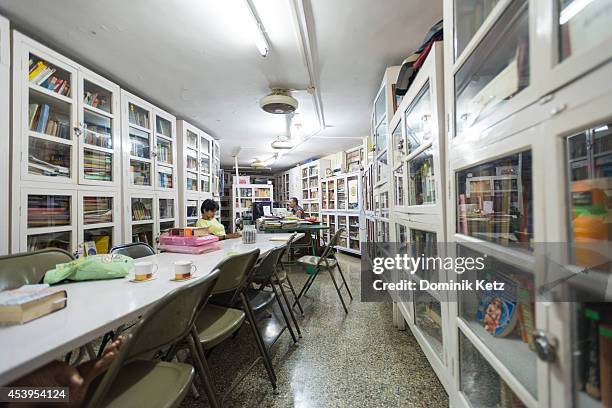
(144, 270)
(183, 269)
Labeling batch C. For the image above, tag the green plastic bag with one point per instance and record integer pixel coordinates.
(93, 267)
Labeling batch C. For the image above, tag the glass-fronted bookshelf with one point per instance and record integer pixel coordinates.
(67, 144)
(195, 171)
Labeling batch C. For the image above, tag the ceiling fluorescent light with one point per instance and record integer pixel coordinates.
(257, 29)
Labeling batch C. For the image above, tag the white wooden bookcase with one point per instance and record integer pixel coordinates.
(65, 157)
(150, 191)
(311, 174)
(5, 87)
(560, 101)
(195, 176)
(341, 207)
(244, 195)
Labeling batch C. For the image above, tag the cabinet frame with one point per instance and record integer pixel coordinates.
(5, 135)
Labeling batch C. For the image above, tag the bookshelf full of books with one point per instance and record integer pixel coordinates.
(311, 174)
(281, 189)
(150, 191)
(244, 195)
(341, 198)
(66, 141)
(5, 87)
(194, 171)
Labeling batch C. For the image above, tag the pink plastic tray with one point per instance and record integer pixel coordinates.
(187, 241)
(193, 250)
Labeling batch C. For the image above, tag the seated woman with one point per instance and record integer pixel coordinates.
(208, 220)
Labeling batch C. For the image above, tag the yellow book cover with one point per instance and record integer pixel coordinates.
(39, 67)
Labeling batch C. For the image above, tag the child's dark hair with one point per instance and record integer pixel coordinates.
(209, 205)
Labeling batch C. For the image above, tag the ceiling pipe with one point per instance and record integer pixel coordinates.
(308, 49)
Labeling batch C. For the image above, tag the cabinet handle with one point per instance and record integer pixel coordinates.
(546, 346)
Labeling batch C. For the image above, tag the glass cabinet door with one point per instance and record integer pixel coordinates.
(469, 16)
(354, 233)
(353, 192)
(589, 184)
(582, 25)
(421, 179)
(398, 183)
(502, 320)
(343, 224)
(140, 156)
(164, 136)
(341, 193)
(98, 120)
(398, 144)
(324, 196)
(495, 201)
(49, 220)
(418, 119)
(98, 220)
(331, 191)
(496, 71)
(49, 133)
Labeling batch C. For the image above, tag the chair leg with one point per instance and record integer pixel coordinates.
(331, 273)
(305, 287)
(202, 367)
(314, 275)
(294, 294)
(107, 337)
(343, 279)
(258, 340)
(295, 323)
(282, 308)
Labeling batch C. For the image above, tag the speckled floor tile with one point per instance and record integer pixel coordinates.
(355, 360)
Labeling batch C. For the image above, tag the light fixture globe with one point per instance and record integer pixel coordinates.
(282, 143)
(279, 102)
(257, 163)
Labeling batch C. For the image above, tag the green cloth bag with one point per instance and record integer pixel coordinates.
(93, 267)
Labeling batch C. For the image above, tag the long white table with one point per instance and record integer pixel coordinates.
(97, 307)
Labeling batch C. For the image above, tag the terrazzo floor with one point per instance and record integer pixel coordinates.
(354, 360)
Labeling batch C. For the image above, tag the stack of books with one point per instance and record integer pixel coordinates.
(97, 212)
(30, 302)
(43, 168)
(48, 212)
(98, 166)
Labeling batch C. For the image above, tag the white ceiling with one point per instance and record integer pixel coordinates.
(195, 59)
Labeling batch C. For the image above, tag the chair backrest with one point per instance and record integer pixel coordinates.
(135, 250)
(29, 267)
(266, 265)
(287, 247)
(330, 247)
(234, 271)
(164, 324)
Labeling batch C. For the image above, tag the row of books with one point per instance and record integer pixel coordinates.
(97, 137)
(164, 154)
(95, 100)
(98, 166)
(165, 180)
(44, 211)
(595, 342)
(141, 212)
(41, 74)
(164, 127)
(138, 116)
(42, 120)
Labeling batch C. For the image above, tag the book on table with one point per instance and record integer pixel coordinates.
(29, 302)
